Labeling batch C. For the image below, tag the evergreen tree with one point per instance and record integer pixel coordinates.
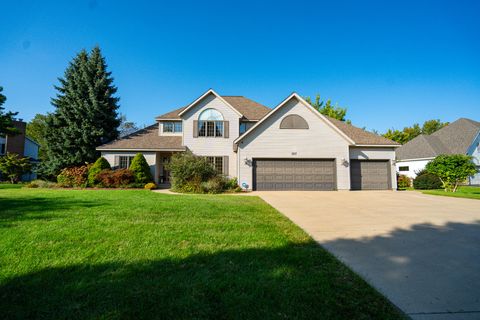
(85, 113)
(6, 119)
(141, 169)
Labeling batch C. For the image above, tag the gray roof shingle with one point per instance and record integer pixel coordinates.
(455, 138)
(360, 136)
(145, 139)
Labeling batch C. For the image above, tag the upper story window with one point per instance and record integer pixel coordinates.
(243, 127)
(404, 168)
(172, 127)
(210, 124)
(293, 121)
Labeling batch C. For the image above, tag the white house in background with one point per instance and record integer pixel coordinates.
(289, 147)
(459, 137)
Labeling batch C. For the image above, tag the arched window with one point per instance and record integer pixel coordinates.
(293, 121)
(210, 115)
(210, 123)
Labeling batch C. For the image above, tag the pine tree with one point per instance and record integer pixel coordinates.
(85, 113)
(6, 118)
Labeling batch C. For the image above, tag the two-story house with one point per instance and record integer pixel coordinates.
(289, 147)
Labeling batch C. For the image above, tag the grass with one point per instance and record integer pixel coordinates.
(462, 192)
(135, 254)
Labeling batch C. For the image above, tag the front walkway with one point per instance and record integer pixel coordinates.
(422, 252)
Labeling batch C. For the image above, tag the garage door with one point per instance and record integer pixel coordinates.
(305, 174)
(369, 175)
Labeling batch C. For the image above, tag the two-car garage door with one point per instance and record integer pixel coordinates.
(298, 174)
(318, 174)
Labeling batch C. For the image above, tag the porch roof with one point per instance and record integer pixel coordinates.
(146, 139)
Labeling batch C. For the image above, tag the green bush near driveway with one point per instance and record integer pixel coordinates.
(136, 254)
(427, 181)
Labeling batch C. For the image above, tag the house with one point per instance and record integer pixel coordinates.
(459, 137)
(21, 145)
(289, 147)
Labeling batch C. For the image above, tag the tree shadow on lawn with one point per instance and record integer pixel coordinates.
(295, 281)
(14, 210)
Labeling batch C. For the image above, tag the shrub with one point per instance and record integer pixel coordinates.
(231, 184)
(14, 166)
(41, 184)
(73, 176)
(115, 178)
(99, 165)
(403, 181)
(150, 186)
(214, 185)
(188, 171)
(452, 169)
(31, 184)
(141, 169)
(427, 181)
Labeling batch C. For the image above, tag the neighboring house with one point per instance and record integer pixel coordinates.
(459, 137)
(290, 147)
(22, 145)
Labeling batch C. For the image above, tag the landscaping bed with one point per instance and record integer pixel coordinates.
(142, 255)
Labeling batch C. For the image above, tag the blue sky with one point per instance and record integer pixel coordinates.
(391, 63)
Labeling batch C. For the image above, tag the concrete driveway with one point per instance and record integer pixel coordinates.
(422, 252)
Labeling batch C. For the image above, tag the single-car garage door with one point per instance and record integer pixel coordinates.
(301, 174)
(370, 174)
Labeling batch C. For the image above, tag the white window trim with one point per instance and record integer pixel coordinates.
(173, 123)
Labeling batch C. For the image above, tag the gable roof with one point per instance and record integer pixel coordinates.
(209, 92)
(360, 136)
(454, 138)
(145, 139)
(248, 109)
(353, 135)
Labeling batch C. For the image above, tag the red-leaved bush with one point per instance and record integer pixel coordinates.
(73, 176)
(115, 178)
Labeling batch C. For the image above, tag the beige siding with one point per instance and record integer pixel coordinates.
(151, 158)
(209, 146)
(369, 153)
(269, 141)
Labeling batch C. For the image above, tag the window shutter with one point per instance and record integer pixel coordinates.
(195, 128)
(226, 129)
(225, 165)
(116, 161)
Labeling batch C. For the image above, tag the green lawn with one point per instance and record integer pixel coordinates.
(71, 254)
(462, 192)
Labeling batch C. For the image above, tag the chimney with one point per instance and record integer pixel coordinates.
(16, 143)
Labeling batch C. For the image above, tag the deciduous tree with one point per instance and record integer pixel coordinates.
(326, 108)
(452, 169)
(14, 166)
